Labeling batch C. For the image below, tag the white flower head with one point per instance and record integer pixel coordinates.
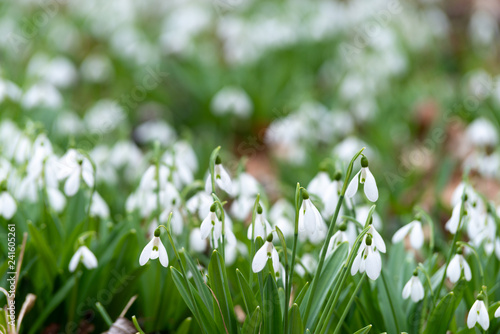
(368, 259)
(263, 254)
(497, 313)
(154, 250)
(377, 240)
(211, 224)
(310, 220)
(337, 239)
(261, 227)
(479, 314)
(73, 167)
(84, 255)
(364, 176)
(8, 206)
(414, 230)
(414, 288)
(456, 266)
(222, 179)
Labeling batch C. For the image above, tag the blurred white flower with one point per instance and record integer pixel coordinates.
(222, 179)
(483, 28)
(42, 95)
(337, 239)
(281, 216)
(364, 176)
(73, 166)
(211, 225)
(478, 314)
(414, 229)
(456, 266)
(9, 90)
(231, 100)
(104, 116)
(497, 313)
(8, 206)
(196, 242)
(262, 227)
(199, 203)
(98, 207)
(85, 256)
(310, 220)
(69, 123)
(413, 288)
(152, 131)
(482, 133)
(97, 68)
(154, 250)
(263, 254)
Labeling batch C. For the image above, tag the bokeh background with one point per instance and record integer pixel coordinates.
(292, 86)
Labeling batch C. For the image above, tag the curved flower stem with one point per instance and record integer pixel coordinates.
(252, 242)
(136, 324)
(428, 279)
(481, 272)
(329, 235)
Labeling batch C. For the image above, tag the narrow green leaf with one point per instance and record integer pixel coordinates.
(59, 296)
(302, 293)
(441, 315)
(45, 252)
(202, 288)
(271, 311)
(364, 330)
(220, 286)
(252, 323)
(296, 321)
(246, 293)
(184, 327)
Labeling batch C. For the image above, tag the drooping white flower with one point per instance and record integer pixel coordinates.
(263, 254)
(98, 207)
(364, 176)
(231, 100)
(452, 224)
(318, 184)
(281, 215)
(154, 250)
(497, 313)
(330, 197)
(481, 132)
(84, 255)
(196, 242)
(73, 166)
(368, 259)
(211, 224)
(338, 238)
(8, 206)
(310, 220)
(456, 266)
(222, 179)
(414, 230)
(478, 314)
(200, 203)
(261, 228)
(377, 240)
(414, 288)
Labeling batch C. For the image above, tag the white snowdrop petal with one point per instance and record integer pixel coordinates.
(401, 233)
(371, 190)
(206, 226)
(146, 253)
(378, 241)
(407, 289)
(417, 236)
(466, 268)
(72, 184)
(417, 292)
(260, 259)
(453, 271)
(373, 264)
(88, 258)
(483, 318)
(497, 313)
(276, 260)
(472, 316)
(353, 186)
(356, 263)
(73, 263)
(162, 254)
(8, 206)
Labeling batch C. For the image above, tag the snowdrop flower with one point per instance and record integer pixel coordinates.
(456, 266)
(73, 166)
(310, 220)
(414, 229)
(211, 224)
(377, 240)
(368, 259)
(317, 186)
(196, 242)
(84, 255)
(8, 206)
(154, 250)
(497, 313)
(261, 227)
(331, 196)
(222, 179)
(263, 254)
(98, 207)
(479, 314)
(231, 100)
(482, 133)
(365, 177)
(200, 203)
(414, 288)
(338, 238)
(281, 215)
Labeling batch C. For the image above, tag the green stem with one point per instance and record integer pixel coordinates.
(390, 302)
(104, 314)
(136, 324)
(252, 242)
